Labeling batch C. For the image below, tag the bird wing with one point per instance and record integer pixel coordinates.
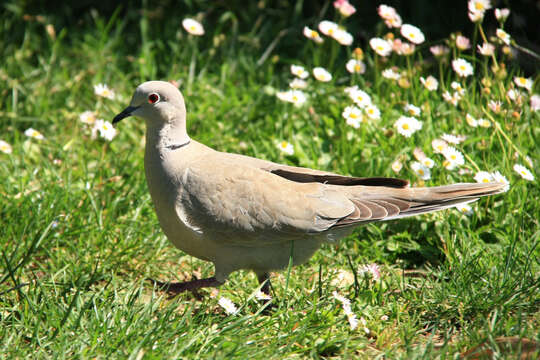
(221, 195)
(251, 198)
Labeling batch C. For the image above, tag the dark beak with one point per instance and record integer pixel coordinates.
(124, 114)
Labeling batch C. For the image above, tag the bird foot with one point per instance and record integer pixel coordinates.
(176, 288)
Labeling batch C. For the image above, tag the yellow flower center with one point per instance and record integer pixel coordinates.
(330, 31)
(405, 126)
(421, 172)
(192, 28)
(440, 148)
(522, 81)
(479, 6)
(380, 48)
(105, 127)
(411, 35)
(357, 68)
(284, 144)
(523, 172)
(353, 116)
(313, 34)
(370, 111)
(462, 68)
(453, 157)
(486, 180)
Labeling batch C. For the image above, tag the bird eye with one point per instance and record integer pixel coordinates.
(153, 98)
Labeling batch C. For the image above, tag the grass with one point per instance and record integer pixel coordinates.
(79, 235)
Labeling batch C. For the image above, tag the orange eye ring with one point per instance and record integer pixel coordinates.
(153, 98)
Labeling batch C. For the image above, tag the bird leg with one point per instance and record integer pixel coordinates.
(193, 285)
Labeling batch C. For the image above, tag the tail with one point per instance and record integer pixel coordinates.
(425, 200)
(382, 203)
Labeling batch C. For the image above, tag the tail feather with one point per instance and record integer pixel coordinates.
(381, 206)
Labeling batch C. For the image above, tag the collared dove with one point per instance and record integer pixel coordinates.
(240, 212)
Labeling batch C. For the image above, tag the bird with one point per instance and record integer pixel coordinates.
(245, 213)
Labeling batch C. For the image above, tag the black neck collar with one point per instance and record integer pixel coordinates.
(177, 146)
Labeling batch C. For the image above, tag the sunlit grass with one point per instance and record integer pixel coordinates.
(79, 235)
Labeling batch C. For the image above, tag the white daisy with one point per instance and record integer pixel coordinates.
(407, 126)
(390, 16)
(430, 83)
(343, 37)
(479, 5)
(486, 49)
(321, 74)
(30, 132)
(502, 14)
(298, 84)
(514, 95)
(373, 269)
(390, 74)
(412, 110)
(88, 117)
(495, 106)
(386, 12)
(451, 98)
(483, 123)
(286, 147)
(421, 170)
(361, 98)
(313, 35)
(457, 86)
(381, 46)
(535, 102)
(453, 156)
(428, 162)
(193, 27)
(105, 129)
(344, 7)
(412, 33)
(5, 147)
(403, 48)
(462, 42)
(476, 16)
(353, 116)
(355, 66)
(342, 299)
(299, 71)
(227, 305)
(503, 36)
(453, 139)
(465, 209)
(483, 177)
(373, 112)
(259, 295)
(439, 145)
(297, 97)
(500, 178)
(439, 50)
(419, 154)
(524, 172)
(462, 67)
(104, 91)
(523, 82)
(328, 28)
(397, 166)
(471, 120)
